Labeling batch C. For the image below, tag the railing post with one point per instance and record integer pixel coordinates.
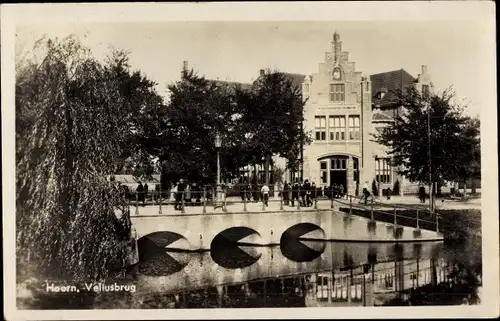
(281, 201)
(315, 203)
(395, 215)
(159, 210)
(371, 215)
(182, 203)
(136, 203)
(245, 201)
(263, 201)
(298, 199)
(204, 201)
(418, 223)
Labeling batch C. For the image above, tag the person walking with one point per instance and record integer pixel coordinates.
(314, 192)
(146, 187)
(295, 192)
(341, 190)
(140, 193)
(181, 188)
(286, 195)
(265, 194)
(421, 194)
(366, 192)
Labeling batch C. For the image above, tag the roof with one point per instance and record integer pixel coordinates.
(244, 86)
(297, 79)
(131, 179)
(388, 81)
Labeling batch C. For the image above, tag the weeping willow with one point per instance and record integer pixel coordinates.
(69, 129)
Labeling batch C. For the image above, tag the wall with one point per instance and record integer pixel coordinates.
(200, 230)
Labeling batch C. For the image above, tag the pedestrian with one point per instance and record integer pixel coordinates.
(181, 188)
(295, 192)
(421, 193)
(302, 194)
(286, 195)
(389, 191)
(140, 193)
(265, 194)
(307, 193)
(314, 192)
(341, 190)
(146, 187)
(366, 192)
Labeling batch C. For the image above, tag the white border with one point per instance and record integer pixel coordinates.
(483, 12)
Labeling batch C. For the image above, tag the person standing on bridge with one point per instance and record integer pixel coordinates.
(181, 187)
(366, 192)
(265, 194)
(295, 192)
(146, 191)
(140, 193)
(286, 195)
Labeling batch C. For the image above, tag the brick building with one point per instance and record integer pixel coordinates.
(343, 109)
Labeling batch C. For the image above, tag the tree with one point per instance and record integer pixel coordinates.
(272, 114)
(66, 147)
(425, 119)
(140, 108)
(184, 132)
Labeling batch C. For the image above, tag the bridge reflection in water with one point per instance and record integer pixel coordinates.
(318, 274)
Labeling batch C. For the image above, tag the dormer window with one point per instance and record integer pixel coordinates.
(381, 93)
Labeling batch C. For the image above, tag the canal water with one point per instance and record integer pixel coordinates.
(298, 274)
(311, 274)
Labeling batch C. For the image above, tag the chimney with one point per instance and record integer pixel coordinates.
(185, 65)
(262, 72)
(424, 69)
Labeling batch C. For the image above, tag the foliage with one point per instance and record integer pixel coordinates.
(183, 133)
(452, 136)
(65, 215)
(272, 115)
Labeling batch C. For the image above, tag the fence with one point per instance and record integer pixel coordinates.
(286, 200)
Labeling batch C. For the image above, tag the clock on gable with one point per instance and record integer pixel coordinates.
(336, 73)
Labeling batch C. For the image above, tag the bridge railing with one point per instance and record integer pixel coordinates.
(282, 200)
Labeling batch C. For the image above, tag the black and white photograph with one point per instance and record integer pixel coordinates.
(236, 160)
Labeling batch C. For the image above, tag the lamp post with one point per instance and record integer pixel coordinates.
(218, 187)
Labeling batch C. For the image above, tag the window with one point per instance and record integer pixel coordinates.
(337, 127)
(337, 93)
(425, 90)
(354, 129)
(323, 172)
(306, 87)
(320, 124)
(338, 164)
(383, 170)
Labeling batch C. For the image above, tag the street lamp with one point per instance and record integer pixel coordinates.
(218, 146)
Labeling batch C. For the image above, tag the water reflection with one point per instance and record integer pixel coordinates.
(203, 271)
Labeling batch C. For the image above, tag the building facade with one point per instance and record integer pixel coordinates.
(343, 110)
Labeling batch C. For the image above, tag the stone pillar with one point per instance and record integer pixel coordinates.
(351, 187)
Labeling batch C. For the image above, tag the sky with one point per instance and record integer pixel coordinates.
(236, 51)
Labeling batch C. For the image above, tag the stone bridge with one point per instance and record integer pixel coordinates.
(195, 231)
